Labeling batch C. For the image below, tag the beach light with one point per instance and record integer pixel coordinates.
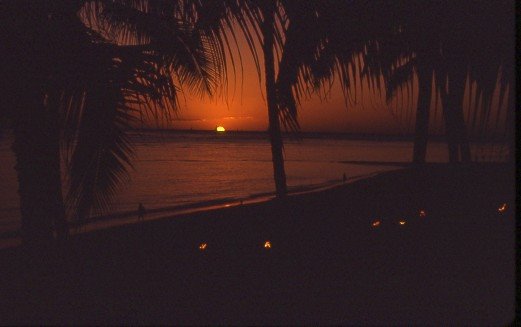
(202, 246)
(502, 208)
(376, 223)
(401, 222)
(267, 245)
(423, 213)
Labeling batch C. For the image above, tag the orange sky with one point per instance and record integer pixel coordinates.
(248, 111)
(245, 108)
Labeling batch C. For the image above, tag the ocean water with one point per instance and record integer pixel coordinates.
(176, 169)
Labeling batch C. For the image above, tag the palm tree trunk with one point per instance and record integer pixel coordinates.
(452, 101)
(457, 91)
(463, 141)
(33, 167)
(54, 169)
(450, 128)
(422, 115)
(511, 126)
(268, 30)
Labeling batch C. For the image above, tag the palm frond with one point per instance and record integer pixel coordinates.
(121, 81)
(401, 75)
(102, 153)
(144, 52)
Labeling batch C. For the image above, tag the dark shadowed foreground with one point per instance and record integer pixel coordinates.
(327, 263)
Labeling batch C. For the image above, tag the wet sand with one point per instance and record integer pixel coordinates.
(327, 264)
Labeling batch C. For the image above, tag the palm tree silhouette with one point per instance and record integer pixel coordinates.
(80, 73)
(449, 43)
(310, 40)
(434, 40)
(268, 10)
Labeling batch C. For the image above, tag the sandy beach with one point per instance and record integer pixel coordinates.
(431, 245)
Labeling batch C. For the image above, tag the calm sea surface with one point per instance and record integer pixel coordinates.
(173, 169)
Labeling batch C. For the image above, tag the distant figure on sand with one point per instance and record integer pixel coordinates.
(344, 178)
(141, 211)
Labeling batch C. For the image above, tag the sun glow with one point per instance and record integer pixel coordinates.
(220, 129)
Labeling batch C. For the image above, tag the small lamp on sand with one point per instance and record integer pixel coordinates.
(502, 208)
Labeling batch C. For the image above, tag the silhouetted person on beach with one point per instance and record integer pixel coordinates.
(141, 211)
(344, 178)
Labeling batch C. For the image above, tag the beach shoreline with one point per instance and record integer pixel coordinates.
(12, 238)
(326, 262)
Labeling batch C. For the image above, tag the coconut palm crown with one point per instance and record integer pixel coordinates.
(81, 73)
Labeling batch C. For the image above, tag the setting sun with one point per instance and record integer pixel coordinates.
(220, 129)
